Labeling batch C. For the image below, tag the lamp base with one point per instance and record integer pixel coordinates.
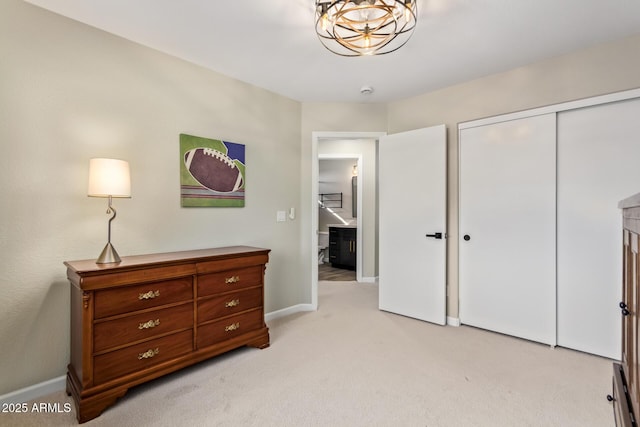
(108, 255)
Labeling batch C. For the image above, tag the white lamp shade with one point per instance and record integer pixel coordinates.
(109, 177)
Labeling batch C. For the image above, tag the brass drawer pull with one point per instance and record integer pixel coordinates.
(232, 280)
(149, 295)
(149, 353)
(232, 327)
(150, 324)
(232, 303)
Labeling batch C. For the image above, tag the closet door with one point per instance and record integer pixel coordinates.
(507, 227)
(598, 152)
(412, 194)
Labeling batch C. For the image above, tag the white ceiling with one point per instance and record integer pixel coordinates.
(272, 43)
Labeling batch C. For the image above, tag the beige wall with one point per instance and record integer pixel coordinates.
(69, 93)
(601, 69)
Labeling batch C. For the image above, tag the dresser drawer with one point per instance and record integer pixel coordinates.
(141, 356)
(112, 333)
(109, 302)
(215, 332)
(214, 307)
(230, 280)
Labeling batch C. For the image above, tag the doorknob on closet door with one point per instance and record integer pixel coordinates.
(467, 237)
(435, 235)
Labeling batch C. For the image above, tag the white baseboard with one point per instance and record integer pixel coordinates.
(453, 321)
(369, 280)
(288, 311)
(35, 391)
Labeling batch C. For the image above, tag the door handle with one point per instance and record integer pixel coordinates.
(466, 237)
(435, 235)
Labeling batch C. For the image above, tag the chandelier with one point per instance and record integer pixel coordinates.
(365, 27)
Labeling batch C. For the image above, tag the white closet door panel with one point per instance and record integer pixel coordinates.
(598, 153)
(507, 208)
(412, 171)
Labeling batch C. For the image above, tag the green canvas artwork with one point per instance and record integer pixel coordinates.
(212, 172)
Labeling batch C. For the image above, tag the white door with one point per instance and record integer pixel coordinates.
(598, 152)
(412, 223)
(507, 229)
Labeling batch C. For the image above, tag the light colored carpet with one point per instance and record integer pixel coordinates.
(349, 364)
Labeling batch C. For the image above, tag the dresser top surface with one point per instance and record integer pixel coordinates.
(630, 202)
(89, 265)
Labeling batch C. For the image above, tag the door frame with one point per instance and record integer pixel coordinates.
(316, 138)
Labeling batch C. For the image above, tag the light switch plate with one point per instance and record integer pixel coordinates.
(281, 216)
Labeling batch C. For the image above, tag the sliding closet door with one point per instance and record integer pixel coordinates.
(598, 165)
(507, 227)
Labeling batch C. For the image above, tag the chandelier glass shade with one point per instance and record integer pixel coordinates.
(365, 27)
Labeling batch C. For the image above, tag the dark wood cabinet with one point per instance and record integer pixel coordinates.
(150, 315)
(626, 392)
(342, 247)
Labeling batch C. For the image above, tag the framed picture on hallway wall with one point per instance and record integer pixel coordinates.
(212, 172)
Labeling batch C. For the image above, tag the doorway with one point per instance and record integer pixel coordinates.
(348, 145)
(337, 218)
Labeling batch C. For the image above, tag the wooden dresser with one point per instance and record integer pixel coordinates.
(626, 394)
(150, 315)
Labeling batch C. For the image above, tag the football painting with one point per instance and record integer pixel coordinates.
(212, 172)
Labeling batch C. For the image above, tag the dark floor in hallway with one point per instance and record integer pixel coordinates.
(329, 273)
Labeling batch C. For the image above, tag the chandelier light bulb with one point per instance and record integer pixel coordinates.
(325, 22)
(364, 12)
(367, 37)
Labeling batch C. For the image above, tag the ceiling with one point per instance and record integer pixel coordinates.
(272, 43)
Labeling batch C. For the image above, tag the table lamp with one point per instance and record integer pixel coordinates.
(109, 178)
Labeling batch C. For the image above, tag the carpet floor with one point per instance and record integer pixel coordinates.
(349, 364)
